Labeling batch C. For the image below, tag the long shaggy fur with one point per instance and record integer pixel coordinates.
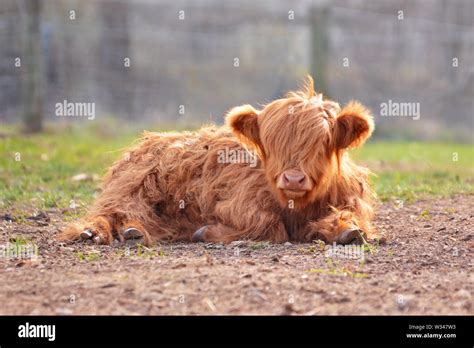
(171, 184)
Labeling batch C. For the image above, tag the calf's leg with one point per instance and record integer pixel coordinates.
(340, 226)
(220, 233)
(97, 228)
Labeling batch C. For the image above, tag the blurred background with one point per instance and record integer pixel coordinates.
(180, 63)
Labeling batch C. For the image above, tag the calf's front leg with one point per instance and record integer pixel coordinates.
(341, 227)
(219, 233)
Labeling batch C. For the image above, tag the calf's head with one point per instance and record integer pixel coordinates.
(300, 140)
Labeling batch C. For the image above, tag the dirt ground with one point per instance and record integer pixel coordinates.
(422, 265)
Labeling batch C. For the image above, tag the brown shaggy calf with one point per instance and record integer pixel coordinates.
(206, 186)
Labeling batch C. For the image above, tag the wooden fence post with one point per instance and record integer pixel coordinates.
(319, 46)
(32, 94)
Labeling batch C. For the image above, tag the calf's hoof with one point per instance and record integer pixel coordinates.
(351, 236)
(132, 233)
(86, 234)
(198, 236)
(89, 234)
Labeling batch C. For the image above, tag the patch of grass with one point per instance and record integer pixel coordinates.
(259, 245)
(36, 170)
(343, 272)
(424, 215)
(317, 246)
(143, 251)
(334, 269)
(91, 256)
(371, 249)
(309, 250)
(20, 247)
(450, 210)
(19, 240)
(411, 170)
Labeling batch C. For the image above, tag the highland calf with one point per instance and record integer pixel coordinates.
(302, 185)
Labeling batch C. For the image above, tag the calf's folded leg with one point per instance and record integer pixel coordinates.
(97, 228)
(219, 233)
(342, 226)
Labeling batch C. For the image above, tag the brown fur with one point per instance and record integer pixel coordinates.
(169, 185)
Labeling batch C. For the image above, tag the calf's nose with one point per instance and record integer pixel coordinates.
(294, 180)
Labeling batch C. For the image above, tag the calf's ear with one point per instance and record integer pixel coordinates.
(354, 124)
(243, 121)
